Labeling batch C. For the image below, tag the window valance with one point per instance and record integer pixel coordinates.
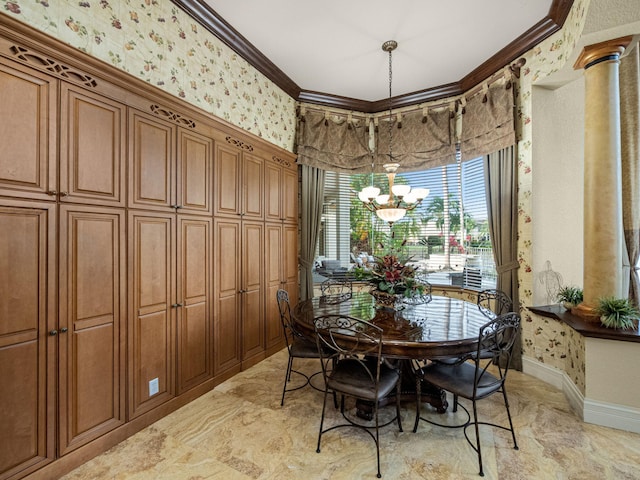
(487, 122)
(424, 137)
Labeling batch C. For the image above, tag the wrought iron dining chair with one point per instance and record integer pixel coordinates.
(354, 349)
(336, 290)
(298, 345)
(492, 302)
(474, 380)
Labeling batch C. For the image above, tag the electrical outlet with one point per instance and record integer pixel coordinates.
(154, 387)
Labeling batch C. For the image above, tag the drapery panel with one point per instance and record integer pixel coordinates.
(421, 139)
(312, 199)
(332, 142)
(501, 187)
(630, 155)
(487, 122)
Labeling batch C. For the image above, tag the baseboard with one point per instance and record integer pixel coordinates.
(612, 415)
(591, 411)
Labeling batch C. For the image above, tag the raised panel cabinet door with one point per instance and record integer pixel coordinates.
(227, 180)
(92, 309)
(290, 260)
(290, 195)
(252, 187)
(252, 289)
(226, 316)
(27, 351)
(194, 333)
(151, 329)
(92, 148)
(152, 177)
(274, 281)
(28, 107)
(195, 173)
(273, 192)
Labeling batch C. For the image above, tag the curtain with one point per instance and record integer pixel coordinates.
(501, 185)
(333, 142)
(487, 122)
(312, 200)
(630, 154)
(422, 139)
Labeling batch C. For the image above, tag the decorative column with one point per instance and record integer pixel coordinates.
(603, 233)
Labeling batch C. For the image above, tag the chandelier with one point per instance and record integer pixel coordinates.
(393, 206)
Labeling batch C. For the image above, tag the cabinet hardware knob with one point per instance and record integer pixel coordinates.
(64, 194)
(174, 206)
(176, 305)
(64, 330)
(53, 333)
(178, 206)
(52, 192)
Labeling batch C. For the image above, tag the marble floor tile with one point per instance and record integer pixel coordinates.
(240, 431)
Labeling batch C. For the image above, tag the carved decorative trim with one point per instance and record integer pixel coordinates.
(174, 117)
(239, 143)
(52, 66)
(281, 161)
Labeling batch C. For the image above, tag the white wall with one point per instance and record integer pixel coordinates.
(558, 184)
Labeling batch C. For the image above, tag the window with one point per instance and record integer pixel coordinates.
(447, 236)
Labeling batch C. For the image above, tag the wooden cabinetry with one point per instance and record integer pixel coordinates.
(91, 330)
(164, 177)
(113, 214)
(27, 351)
(239, 183)
(28, 132)
(92, 148)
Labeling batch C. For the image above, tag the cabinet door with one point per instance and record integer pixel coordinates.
(27, 133)
(151, 331)
(195, 173)
(152, 181)
(27, 351)
(227, 180)
(252, 290)
(92, 309)
(194, 295)
(227, 327)
(290, 257)
(92, 148)
(290, 195)
(273, 192)
(252, 187)
(273, 282)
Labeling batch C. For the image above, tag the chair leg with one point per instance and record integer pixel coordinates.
(398, 391)
(379, 475)
(455, 403)
(418, 403)
(324, 406)
(506, 404)
(475, 423)
(287, 378)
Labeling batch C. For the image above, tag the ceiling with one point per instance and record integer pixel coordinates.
(330, 52)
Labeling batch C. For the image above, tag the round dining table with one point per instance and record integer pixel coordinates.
(436, 328)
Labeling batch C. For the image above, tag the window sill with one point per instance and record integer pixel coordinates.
(586, 329)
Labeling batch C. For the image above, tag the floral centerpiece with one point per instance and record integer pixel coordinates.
(391, 276)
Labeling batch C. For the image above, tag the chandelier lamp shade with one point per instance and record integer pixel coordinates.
(393, 206)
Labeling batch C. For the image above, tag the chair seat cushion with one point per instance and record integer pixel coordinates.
(351, 378)
(459, 379)
(303, 348)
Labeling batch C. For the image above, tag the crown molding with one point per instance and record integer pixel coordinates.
(215, 24)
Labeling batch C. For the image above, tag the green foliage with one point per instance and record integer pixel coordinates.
(570, 294)
(617, 313)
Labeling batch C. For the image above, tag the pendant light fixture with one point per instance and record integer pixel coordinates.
(393, 206)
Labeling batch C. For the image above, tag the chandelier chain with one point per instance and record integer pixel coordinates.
(390, 105)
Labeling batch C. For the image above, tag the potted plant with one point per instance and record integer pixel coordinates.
(617, 313)
(570, 296)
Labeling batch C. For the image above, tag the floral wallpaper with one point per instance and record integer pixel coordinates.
(545, 340)
(158, 42)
